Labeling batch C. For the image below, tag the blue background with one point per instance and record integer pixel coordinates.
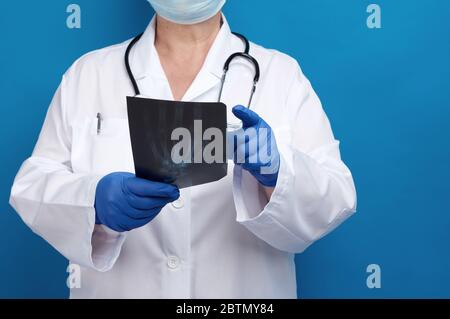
(386, 92)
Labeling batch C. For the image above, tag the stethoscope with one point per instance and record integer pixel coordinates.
(245, 54)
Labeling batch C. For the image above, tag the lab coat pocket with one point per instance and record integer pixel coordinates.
(102, 149)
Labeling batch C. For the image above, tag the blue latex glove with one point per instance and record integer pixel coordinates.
(258, 153)
(124, 202)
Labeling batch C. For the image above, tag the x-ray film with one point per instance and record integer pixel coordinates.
(182, 143)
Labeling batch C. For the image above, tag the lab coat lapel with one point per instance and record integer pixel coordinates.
(147, 68)
(211, 73)
(150, 75)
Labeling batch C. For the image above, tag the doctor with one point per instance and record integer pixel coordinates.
(235, 238)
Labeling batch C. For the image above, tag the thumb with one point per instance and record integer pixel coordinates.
(247, 116)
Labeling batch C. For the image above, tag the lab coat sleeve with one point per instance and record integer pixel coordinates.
(315, 190)
(57, 203)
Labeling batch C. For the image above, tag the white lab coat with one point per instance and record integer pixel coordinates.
(220, 240)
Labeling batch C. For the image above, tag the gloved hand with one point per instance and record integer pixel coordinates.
(124, 202)
(255, 148)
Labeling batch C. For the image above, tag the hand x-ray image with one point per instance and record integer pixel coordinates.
(153, 124)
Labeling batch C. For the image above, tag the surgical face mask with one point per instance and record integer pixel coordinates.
(187, 11)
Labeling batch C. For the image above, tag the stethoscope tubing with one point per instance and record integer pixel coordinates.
(245, 55)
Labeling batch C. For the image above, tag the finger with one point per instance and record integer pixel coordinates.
(252, 167)
(248, 135)
(246, 153)
(130, 212)
(247, 116)
(147, 203)
(145, 188)
(132, 223)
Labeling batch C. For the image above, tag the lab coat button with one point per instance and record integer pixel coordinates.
(178, 204)
(173, 262)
